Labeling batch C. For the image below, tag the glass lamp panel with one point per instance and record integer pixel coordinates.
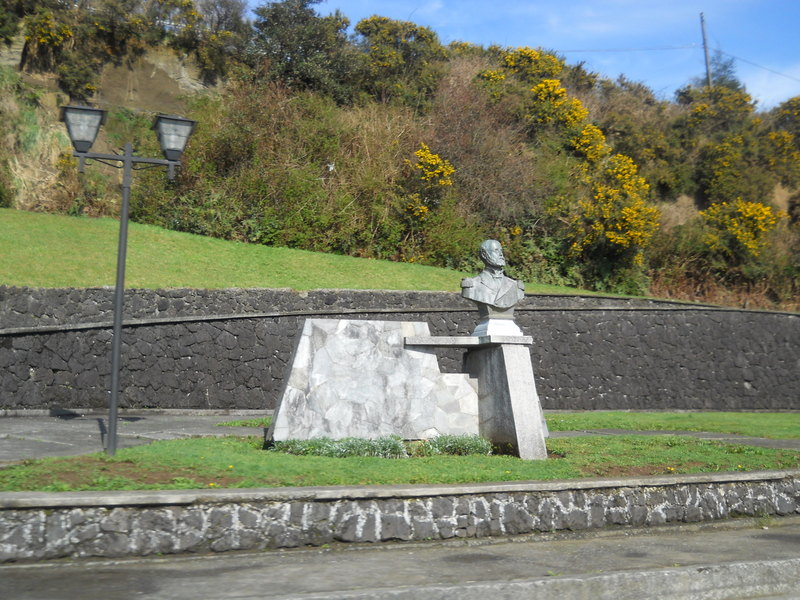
(83, 123)
(173, 134)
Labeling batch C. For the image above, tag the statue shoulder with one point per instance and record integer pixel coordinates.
(468, 282)
(520, 285)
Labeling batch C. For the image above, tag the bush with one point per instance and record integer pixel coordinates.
(456, 445)
(386, 447)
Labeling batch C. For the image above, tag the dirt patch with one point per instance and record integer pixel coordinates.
(89, 471)
(679, 212)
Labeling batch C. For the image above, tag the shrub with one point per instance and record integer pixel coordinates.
(391, 446)
(739, 229)
(456, 445)
(383, 447)
(617, 218)
(532, 64)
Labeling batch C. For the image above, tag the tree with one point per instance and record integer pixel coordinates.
(723, 75)
(224, 15)
(403, 59)
(303, 49)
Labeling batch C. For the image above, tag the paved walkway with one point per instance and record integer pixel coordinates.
(740, 559)
(71, 434)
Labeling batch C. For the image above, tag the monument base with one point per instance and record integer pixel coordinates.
(509, 412)
(355, 378)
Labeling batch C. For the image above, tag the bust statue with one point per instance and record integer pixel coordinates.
(494, 293)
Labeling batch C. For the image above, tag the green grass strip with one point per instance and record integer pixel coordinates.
(767, 425)
(44, 250)
(241, 463)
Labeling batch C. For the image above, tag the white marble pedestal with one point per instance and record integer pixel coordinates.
(356, 378)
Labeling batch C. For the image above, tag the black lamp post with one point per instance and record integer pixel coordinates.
(173, 132)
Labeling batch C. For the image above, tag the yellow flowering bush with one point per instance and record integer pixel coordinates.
(718, 105)
(435, 169)
(532, 64)
(732, 168)
(591, 143)
(617, 214)
(417, 208)
(783, 155)
(493, 82)
(788, 115)
(739, 228)
(551, 104)
(41, 29)
(464, 48)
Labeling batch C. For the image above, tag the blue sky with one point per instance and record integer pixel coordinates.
(618, 37)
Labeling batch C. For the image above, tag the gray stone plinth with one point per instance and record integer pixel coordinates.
(510, 412)
(355, 378)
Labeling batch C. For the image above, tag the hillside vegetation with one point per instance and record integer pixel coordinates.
(388, 145)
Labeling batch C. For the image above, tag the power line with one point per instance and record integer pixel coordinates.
(653, 49)
(683, 47)
(750, 62)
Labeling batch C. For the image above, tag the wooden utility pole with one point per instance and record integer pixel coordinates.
(705, 50)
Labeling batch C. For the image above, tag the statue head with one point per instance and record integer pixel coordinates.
(491, 253)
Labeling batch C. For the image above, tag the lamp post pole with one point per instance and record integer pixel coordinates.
(83, 123)
(119, 294)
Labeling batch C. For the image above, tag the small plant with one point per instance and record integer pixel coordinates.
(764, 520)
(457, 445)
(387, 447)
(383, 447)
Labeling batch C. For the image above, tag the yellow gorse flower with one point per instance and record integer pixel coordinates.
(591, 143)
(551, 104)
(739, 226)
(617, 212)
(435, 169)
(532, 64)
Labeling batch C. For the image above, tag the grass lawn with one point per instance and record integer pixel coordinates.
(768, 425)
(237, 462)
(43, 250)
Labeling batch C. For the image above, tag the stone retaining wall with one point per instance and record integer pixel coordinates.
(114, 524)
(228, 349)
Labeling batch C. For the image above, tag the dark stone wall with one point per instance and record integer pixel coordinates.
(229, 349)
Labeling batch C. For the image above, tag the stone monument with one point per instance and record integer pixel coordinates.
(359, 378)
(509, 412)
